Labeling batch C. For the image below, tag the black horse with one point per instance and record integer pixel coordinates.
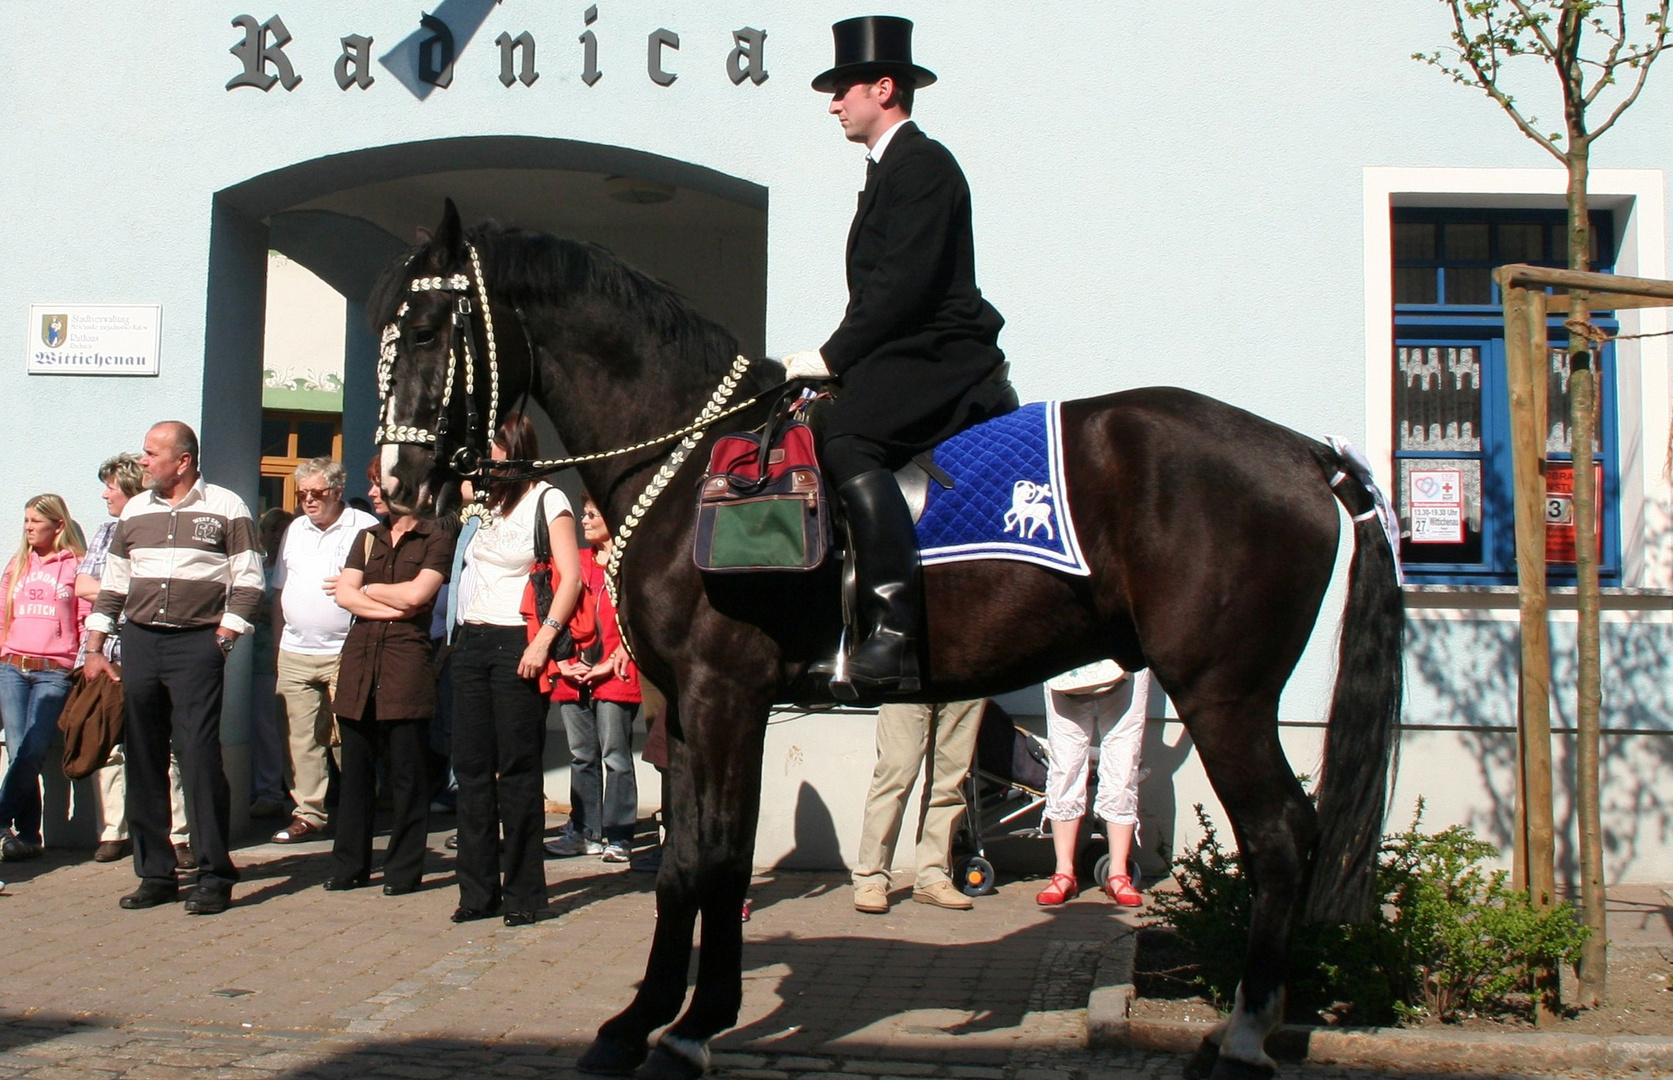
(1211, 535)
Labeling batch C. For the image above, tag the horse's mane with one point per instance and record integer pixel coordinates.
(527, 268)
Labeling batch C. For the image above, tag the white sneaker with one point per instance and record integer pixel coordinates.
(617, 851)
(571, 844)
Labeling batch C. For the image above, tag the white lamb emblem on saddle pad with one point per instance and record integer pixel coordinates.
(1030, 510)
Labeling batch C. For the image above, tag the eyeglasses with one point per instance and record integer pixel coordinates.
(313, 494)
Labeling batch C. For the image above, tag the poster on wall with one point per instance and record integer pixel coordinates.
(94, 339)
(1559, 511)
(1435, 503)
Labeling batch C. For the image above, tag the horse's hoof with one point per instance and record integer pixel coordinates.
(608, 1057)
(667, 1064)
(1201, 1065)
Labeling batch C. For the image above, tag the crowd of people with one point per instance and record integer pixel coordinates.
(405, 661)
(379, 679)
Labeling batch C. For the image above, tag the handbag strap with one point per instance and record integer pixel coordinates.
(542, 530)
(778, 417)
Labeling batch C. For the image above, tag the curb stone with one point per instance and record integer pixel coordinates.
(1111, 999)
(1110, 1025)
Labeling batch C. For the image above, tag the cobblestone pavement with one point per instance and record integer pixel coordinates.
(295, 982)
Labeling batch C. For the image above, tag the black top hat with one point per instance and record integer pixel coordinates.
(869, 47)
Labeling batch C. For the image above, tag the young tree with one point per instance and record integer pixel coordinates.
(1601, 59)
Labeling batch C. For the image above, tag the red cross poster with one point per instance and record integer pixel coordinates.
(1435, 505)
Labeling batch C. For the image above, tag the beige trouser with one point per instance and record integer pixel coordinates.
(112, 794)
(308, 683)
(941, 738)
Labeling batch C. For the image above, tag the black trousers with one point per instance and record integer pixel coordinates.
(403, 745)
(171, 689)
(499, 735)
(846, 456)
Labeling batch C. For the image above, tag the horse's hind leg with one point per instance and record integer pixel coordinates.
(1275, 827)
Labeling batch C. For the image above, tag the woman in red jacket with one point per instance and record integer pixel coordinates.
(599, 702)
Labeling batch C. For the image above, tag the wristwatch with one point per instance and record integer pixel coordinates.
(553, 623)
(225, 643)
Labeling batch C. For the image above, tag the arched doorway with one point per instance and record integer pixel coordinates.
(346, 216)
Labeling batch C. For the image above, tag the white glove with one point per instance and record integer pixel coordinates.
(807, 364)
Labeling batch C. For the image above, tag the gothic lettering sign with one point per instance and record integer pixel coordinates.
(263, 46)
(427, 57)
(94, 339)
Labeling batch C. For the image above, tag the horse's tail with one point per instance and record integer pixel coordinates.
(1363, 731)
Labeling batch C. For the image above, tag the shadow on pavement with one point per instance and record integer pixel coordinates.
(61, 1046)
(19, 1030)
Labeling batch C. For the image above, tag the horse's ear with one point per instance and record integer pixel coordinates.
(448, 245)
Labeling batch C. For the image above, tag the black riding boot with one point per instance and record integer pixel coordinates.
(885, 548)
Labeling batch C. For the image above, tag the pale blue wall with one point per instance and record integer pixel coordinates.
(1166, 193)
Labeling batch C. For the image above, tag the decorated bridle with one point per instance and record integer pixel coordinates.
(466, 459)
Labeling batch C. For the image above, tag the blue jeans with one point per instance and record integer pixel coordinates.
(603, 792)
(30, 702)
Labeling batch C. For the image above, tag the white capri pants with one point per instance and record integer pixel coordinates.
(1116, 720)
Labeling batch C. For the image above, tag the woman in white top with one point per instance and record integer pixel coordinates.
(1099, 704)
(499, 715)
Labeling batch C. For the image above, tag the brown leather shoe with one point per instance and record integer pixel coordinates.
(111, 850)
(184, 858)
(298, 831)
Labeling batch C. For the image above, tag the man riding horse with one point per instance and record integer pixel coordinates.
(916, 358)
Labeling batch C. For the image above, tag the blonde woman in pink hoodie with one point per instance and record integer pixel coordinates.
(40, 632)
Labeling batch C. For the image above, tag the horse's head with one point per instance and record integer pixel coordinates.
(438, 376)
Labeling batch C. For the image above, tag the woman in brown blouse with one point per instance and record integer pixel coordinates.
(386, 694)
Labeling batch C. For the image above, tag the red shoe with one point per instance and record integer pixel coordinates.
(1120, 889)
(1061, 890)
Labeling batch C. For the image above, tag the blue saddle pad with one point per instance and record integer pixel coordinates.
(1008, 500)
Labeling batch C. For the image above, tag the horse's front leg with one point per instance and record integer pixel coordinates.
(724, 735)
(620, 1046)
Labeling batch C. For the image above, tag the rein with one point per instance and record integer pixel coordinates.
(536, 469)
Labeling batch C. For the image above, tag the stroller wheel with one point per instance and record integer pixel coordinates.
(973, 875)
(1101, 871)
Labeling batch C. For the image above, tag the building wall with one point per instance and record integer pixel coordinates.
(1162, 195)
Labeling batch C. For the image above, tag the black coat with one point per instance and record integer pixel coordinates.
(918, 347)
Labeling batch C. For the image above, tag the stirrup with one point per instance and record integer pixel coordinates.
(845, 687)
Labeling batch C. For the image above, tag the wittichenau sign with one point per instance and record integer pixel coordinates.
(94, 339)
(424, 59)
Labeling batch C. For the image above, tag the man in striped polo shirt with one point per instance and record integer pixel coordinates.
(185, 569)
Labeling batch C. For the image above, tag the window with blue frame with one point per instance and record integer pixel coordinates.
(1451, 407)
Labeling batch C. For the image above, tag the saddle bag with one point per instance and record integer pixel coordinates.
(762, 503)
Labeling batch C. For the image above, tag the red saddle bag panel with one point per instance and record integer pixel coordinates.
(760, 512)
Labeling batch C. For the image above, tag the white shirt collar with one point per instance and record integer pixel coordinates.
(876, 152)
(344, 519)
(196, 493)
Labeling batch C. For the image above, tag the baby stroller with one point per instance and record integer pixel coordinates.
(1004, 795)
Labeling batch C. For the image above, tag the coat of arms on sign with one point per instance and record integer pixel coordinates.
(54, 329)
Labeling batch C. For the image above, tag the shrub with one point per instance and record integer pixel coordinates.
(1449, 938)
